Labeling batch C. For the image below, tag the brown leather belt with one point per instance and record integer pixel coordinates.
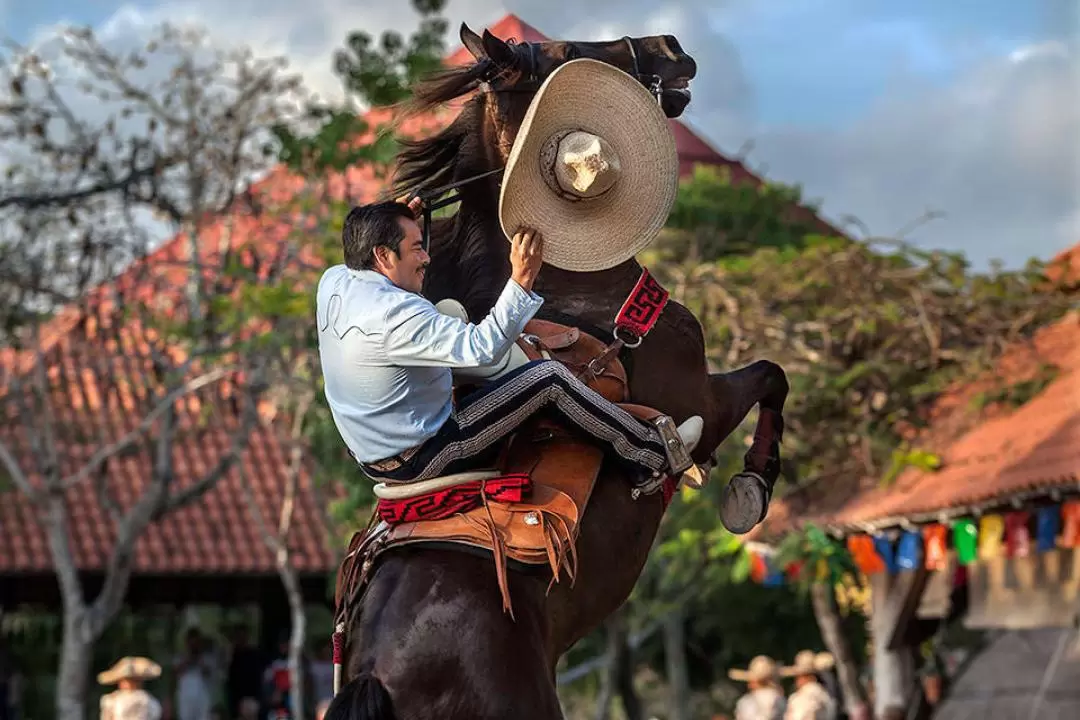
(394, 462)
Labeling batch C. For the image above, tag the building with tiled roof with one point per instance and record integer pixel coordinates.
(992, 453)
(96, 376)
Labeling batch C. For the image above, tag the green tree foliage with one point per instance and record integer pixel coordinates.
(374, 74)
(870, 333)
(382, 73)
(715, 217)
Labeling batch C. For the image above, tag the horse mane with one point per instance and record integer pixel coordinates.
(460, 249)
(430, 162)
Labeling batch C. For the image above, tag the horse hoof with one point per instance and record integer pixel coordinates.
(744, 502)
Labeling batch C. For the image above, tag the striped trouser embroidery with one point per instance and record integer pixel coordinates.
(494, 412)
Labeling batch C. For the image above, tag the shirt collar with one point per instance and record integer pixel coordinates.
(370, 276)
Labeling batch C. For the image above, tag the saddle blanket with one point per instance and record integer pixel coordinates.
(444, 503)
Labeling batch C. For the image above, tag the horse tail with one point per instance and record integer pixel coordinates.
(362, 698)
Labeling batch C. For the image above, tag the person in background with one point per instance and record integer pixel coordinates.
(765, 699)
(277, 681)
(243, 678)
(810, 701)
(130, 701)
(197, 674)
(322, 673)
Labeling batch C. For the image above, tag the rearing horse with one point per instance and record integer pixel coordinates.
(428, 636)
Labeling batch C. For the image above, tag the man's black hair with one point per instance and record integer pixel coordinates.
(369, 226)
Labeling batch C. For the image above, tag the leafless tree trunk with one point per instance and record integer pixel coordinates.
(84, 622)
(678, 675)
(894, 670)
(180, 143)
(618, 677)
(277, 541)
(847, 673)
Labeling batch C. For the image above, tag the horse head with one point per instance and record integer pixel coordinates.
(469, 254)
(658, 61)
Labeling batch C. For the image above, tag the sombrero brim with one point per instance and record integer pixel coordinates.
(746, 675)
(601, 232)
(134, 668)
(822, 662)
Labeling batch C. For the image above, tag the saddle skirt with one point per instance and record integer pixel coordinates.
(540, 525)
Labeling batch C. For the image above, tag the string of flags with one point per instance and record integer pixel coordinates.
(1019, 533)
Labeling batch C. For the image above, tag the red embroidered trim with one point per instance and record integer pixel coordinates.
(643, 306)
(442, 504)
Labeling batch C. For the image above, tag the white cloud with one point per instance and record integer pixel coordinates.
(993, 144)
(997, 151)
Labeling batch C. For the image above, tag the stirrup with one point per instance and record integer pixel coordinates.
(679, 441)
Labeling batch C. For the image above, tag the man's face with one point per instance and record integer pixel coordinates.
(407, 268)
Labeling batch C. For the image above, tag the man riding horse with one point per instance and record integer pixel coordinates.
(578, 133)
(388, 354)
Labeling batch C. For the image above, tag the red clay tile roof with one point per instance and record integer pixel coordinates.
(98, 387)
(1064, 269)
(989, 457)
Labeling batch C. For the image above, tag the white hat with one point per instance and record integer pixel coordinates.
(594, 168)
(808, 663)
(762, 668)
(130, 668)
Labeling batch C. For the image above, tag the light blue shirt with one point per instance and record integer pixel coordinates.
(387, 355)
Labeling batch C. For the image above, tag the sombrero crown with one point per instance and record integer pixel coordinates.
(594, 168)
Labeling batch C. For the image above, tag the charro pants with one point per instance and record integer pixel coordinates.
(470, 436)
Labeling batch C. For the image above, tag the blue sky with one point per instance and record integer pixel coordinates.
(881, 109)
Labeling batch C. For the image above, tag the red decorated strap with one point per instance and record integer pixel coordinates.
(338, 640)
(444, 503)
(643, 306)
(668, 488)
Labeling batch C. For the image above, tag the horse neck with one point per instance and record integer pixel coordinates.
(592, 297)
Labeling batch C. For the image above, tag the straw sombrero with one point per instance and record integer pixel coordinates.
(808, 663)
(135, 668)
(594, 168)
(762, 668)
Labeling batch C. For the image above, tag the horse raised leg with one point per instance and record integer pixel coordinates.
(763, 383)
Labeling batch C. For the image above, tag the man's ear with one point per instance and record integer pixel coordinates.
(381, 255)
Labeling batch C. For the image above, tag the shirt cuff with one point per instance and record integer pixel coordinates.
(530, 298)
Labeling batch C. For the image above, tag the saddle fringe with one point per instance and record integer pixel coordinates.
(559, 544)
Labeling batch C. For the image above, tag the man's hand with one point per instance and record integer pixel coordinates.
(415, 204)
(526, 257)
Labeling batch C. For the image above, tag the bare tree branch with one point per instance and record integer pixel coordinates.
(129, 439)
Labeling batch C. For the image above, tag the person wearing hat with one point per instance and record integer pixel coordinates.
(765, 699)
(810, 701)
(130, 701)
(589, 182)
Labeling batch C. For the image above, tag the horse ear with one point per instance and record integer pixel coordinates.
(472, 42)
(496, 49)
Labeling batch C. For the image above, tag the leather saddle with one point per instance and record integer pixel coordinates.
(539, 529)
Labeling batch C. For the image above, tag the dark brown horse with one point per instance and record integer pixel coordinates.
(429, 638)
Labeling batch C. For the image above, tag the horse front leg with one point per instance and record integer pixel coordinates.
(746, 498)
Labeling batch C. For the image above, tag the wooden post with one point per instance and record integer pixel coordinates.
(893, 667)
